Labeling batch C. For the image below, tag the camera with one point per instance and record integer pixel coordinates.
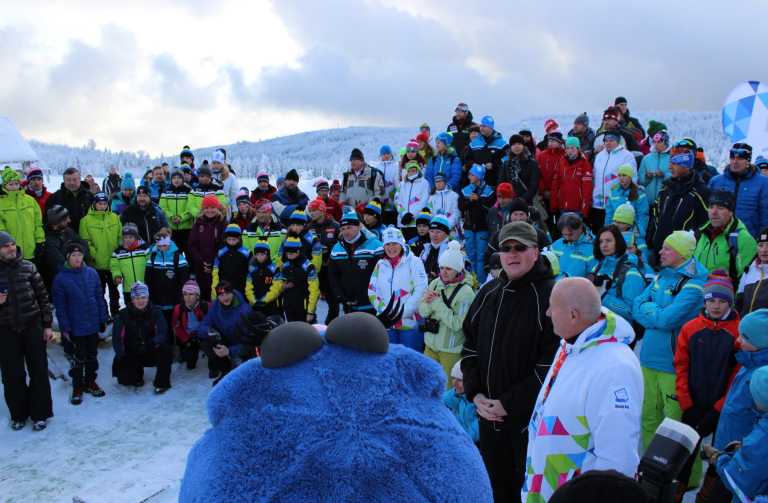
(598, 279)
(429, 325)
(214, 336)
(669, 449)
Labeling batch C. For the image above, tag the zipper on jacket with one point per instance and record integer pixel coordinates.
(85, 299)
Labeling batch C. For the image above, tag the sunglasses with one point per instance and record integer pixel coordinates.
(519, 248)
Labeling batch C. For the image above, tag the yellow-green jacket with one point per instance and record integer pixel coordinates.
(102, 231)
(20, 216)
(175, 202)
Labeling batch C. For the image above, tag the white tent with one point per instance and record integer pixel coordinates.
(13, 147)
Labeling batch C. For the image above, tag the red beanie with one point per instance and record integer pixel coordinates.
(550, 124)
(210, 201)
(317, 204)
(423, 137)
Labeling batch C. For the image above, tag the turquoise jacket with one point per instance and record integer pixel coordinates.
(663, 314)
(618, 197)
(464, 411)
(747, 467)
(633, 286)
(576, 259)
(652, 162)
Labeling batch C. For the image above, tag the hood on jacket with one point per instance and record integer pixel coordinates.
(609, 328)
(164, 254)
(752, 359)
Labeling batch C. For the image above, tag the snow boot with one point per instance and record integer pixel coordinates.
(17, 425)
(222, 376)
(161, 391)
(139, 384)
(213, 374)
(77, 396)
(40, 425)
(94, 389)
(706, 488)
(680, 494)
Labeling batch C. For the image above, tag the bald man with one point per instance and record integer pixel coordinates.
(587, 415)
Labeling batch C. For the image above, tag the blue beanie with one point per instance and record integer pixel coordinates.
(684, 158)
(752, 328)
(487, 121)
(446, 138)
(759, 387)
(128, 183)
(385, 150)
(478, 170)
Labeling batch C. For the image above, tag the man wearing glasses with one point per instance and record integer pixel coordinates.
(743, 179)
(509, 346)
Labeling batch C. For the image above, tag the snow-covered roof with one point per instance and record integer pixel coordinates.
(13, 146)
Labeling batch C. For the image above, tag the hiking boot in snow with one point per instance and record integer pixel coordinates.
(219, 379)
(161, 391)
(17, 425)
(706, 488)
(77, 396)
(40, 425)
(213, 374)
(139, 384)
(94, 390)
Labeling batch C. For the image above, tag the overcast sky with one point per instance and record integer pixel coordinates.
(159, 74)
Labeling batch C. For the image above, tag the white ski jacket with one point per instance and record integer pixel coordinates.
(448, 200)
(407, 282)
(605, 171)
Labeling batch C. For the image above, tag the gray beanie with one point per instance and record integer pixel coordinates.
(5, 238)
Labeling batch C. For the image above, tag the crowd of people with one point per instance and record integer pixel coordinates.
(528, 271)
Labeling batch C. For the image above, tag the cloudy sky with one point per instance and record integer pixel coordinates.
(158, 74)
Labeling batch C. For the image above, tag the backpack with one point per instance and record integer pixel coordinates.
(370, 184)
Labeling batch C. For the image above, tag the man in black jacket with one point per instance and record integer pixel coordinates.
(25, 322)
(74, 195)
(518, 212)
(509, 346)
(59, 234)
(148, 218)
(329, 231)
(459, 127)
(113, 182)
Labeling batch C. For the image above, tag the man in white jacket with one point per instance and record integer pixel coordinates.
(587, 414)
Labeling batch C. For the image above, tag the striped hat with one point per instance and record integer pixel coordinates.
(192, 287)
(440, 222)
(719, 286)
(298, 217)
(262, 176)
(625, 214)
(412, 146)
(349, 217)
(292, 243)
(139, 289)
(233, 231)
(264, 204)
(321, 184)
(243, 196)
(262, 246)
(424, 218)
(629, 238)
(626, 169)
(373, 208)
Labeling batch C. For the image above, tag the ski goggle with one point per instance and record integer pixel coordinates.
(685, 144)
(463, 107)
(411, 149)
(223, 289)
(742, 153)
(680, 150)
(424, 126)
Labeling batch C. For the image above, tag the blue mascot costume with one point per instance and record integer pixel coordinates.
(342, 418)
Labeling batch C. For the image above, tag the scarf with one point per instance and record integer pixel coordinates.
(514, 167)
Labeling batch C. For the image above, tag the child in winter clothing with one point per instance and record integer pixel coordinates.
(245, 214)
(20, 216)
(753, 294)
(101, 229)
(173, 202)
(463, 410)
(627, 192)
(265, 190)
(445, 163)
(373, 219)
(412, 197)
(233, 260)
(259, 281)
(703, 363)
(185, 322)
(332, 206)
(166, 273)
(266, 225)
(447, 301)
(390, 174)
(422, 227)
(129, 260)
(296, 281)
(475, 200)
(205, 241)
(119, 201)
(310, 244)
(443, 198)
(207, 186)
(624, 219)
(82, 314)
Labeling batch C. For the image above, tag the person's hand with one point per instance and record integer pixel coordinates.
(258, 305)
(286, 286)
(488, 166)
(103, 327)
(176, 220)
(473, 197)
(207, 267)
(430, 295)
(692, 415)
(546, 194)
(407, 218)
(659, 173)
(650, 174)
(310, 318)
(118, 280)
(485, 408)
(221, 351)
(47, 334)
(3, 297)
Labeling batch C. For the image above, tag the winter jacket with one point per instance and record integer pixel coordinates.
(491, 150)
(572, 185)
(628, 139)
(464, 411)
(310, 246)
(497, 218)
(112, 184)
(680, 206)
(586, 140)
(407, 282)
(329, 233)
(78, 204)
(542, 241)
(232, 264)
(304, 294)
(118, 204)
(225, 319)
(718, 253)
(430, 256)
(448, 201)
(41, 199)
(703, 360)
(229, 186)
(460, 132)
(257, 194)
(362, 186)
(173, 202)
(747, 467)
(148, 221)
(619, 195)
(274, 232)
(589, 417)
(449, 165)
(351, 266)
(165, 275)
(417, 244)
(333, 208)
(390, 173)
(655, 161)
(129, 264)
(180, 319)
(156, 189)
(56, 243)
(195, 197)
(664, 314)
(752, 293)
(27, 303)
(102, 231)
(284, 203)
(450, 337)
(79, 300)
(524, 177)
(20, 217)
(705, 171)
(549, 162)
(412, 197)
(476, 212)
(605, 172)
(508, 361)
(738, 414)
(751, 189)
(620, 298)
(577, 258)
(206, 239)
(136, 332)
(258, 283)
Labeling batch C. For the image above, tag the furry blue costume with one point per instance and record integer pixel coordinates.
(337, 425)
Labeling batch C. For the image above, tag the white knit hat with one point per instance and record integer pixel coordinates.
(456, 371)
(452, 257)
(392, 235)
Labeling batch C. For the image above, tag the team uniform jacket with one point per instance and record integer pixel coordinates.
(576, 259)
(417, 244)
(285, 203)
(460, 132)
(605, 171)
(259, 194)
(181, 315)
(450, 166)
(258, 284)
(148, 221)
(351, 266)
(747, 466)
(655, 161)
(751, 189)
(328, 233)
(412, 197)
(633, 286)
(450, 336)
(448, 201)
(20, 217)
(129, 264)
(274, 231)
(390, 172)
(165, 275)
(464, 411)
(619, 196)
(306, 286)
(476, 212)
(680, 206)
(572, 185)
(406, 282)
(79, 300)
(232, 264)
(173, 202)
(195, 197)
(484, 150)
(716, 253)
(103, 233)
(753, 294)
(133, 330)
(310, 247)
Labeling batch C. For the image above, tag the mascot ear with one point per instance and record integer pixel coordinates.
(358, 331)
(289, 343)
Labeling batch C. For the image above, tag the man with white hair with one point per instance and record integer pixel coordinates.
(587, 414)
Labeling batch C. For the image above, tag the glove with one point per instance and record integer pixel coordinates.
(733, 447)
(347, 301)
(103, 327)
(710, 454)
(39, 250)
(300, 207)
(692, 416)
(708, 423)
(360, 207)
(258, 305)
(66, 335)
(125, 361)
(406, 219)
